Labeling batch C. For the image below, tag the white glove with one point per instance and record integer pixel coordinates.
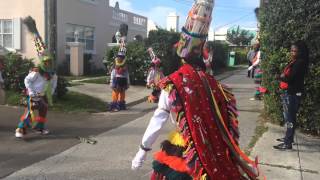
(250, 68)
(32, 93)
(138, 159)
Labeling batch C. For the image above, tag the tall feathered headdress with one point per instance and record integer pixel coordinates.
(41, 48)
(195, 31)
(32, 27)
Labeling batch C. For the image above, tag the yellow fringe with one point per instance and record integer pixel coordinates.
(120, 63)
(32, 115)
(204, 176)
(176, 139)
(168, 88)
(223, 92)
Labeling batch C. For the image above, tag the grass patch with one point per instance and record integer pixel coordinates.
(13, 98)
(71, 102)
(70, 78)
(74, 84)
(259, 131)
(76, 102)
(100, 80)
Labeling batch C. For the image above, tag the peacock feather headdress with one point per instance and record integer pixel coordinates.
(40, 46)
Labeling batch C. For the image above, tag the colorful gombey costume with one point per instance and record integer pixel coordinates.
(155, 74)
(119, 80)
(207, 58)
(40, 85)
(204, 144)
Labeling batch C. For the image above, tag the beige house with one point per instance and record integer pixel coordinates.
(94, 21)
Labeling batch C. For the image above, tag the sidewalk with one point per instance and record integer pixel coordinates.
(300, 163)
(134, 95)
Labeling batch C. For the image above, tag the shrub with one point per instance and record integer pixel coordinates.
(241, 56)
(162, 42)
(61, 89)
(16, 69)
(283, 22)
(137, 58)
(138, 62)
(220, 54)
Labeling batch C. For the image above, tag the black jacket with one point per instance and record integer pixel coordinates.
(295, 79)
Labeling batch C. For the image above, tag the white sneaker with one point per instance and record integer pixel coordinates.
(42, 131)
(45, 131)
(19, 134)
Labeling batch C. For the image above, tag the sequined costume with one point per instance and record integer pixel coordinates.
(119, 81)
(155, 74)
(40, 84)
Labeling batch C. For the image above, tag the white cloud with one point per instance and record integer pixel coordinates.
(123, 4)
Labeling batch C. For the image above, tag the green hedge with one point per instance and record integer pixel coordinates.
(16, 69)
(162, 42)
(137, 61)
(283, 22)
(241, 56)
(220, 54)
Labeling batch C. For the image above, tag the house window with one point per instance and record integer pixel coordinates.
(139, 21)
(90, 1)
(85, 35)
(6, 33)
(119, 16)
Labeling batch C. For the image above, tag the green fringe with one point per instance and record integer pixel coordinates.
(169, 173)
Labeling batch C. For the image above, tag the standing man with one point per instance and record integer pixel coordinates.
(256, 71)
(252, 57)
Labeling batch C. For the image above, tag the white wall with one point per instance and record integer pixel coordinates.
(18, 9)
(98, 15)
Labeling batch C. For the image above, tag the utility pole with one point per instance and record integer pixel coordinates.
(51, 28)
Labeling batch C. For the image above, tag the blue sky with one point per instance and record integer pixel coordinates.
(226, 13)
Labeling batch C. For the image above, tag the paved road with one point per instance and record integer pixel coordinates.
(65, 127)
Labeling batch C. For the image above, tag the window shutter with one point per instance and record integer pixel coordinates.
(17, 33)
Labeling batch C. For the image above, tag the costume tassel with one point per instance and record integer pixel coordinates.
(176, 139)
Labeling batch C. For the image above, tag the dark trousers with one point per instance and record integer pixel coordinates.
(250, 72)
(290, 105)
